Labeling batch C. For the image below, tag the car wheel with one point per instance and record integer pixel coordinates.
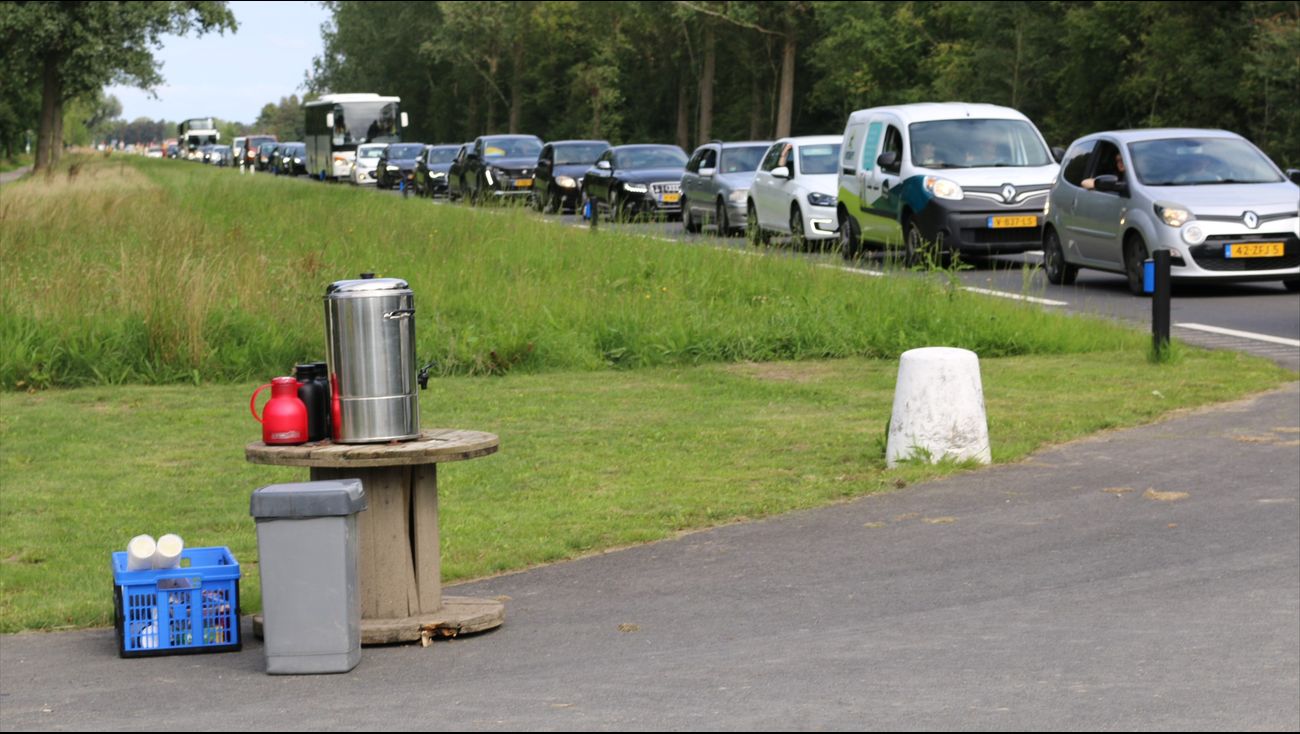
(551, 202)
(723, 219)
(537, 200)
(1058, 271)
(1135, 254)
(913, 245)
(753, 231)
(689, 223)
(617, 207)
(798, 238)
(849, 236)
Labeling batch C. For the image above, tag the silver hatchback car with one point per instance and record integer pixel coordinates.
(1223, 210)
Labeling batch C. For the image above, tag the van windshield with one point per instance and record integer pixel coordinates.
(977, 144)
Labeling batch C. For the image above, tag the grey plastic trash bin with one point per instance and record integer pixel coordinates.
(307, 555)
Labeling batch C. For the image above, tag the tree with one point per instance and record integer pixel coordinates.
(79, 47)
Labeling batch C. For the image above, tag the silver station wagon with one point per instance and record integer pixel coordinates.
(1223, 210)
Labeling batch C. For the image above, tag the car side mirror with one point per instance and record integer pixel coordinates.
(1110, 184)
(706, 172)
(781, 172)
(1058, 153)
(1294, 175)
(604, 165)
(888, 161)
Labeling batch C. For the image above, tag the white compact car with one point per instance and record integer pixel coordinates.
(365, 166)
(794, 191)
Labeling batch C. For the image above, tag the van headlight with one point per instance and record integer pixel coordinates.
(1173, 214)
(943, 188)
(1193, 233)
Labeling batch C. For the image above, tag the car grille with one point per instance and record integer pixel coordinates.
(1007, 236)
(1210, 255)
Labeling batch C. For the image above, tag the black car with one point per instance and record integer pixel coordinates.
(637, 180)
(499, 166)
(557, 184)
(397, 164)
(456, 173)
(292, 159)
(431, 169)
(266, 153)
(250, 154)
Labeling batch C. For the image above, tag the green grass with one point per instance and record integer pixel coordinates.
(640, 389)
(166, 272)
(587, 461)
(13, 164)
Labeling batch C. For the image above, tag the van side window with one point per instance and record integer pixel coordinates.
(894, 144)
(1075, 168)
(871, 145)
(852, 141)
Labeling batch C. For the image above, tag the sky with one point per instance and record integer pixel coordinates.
(232, 76)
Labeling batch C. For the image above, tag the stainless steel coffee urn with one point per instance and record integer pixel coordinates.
(370, 348)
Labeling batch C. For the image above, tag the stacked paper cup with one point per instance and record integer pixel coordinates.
(144, 553)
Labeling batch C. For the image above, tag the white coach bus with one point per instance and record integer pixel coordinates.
(338, 123)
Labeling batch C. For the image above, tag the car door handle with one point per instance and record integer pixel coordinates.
(885, 187)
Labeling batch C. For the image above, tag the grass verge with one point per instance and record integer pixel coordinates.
(588, 461)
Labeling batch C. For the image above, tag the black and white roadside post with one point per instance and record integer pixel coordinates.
(1156, 282)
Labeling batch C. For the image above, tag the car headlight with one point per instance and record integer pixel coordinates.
(1194, 234)
(390, 168)
(437, 174)
(635, 188)
(487, 173)
(1173, 214)
(297, 160)
(566, 181)
(943, 188)
(738, 196)
(819, 199)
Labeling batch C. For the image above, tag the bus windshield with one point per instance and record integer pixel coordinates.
(366, 122)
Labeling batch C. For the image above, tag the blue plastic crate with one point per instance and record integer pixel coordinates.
(194, 608)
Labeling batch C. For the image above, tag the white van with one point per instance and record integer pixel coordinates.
(969, 178)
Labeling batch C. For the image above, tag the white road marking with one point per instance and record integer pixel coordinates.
(855, 271)
(1242, 334)
(1017, 297)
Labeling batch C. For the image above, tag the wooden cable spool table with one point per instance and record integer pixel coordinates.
(400, 566)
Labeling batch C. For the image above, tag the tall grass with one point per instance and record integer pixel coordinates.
(146, 271)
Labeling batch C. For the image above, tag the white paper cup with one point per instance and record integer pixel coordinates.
(140, 552)
(168, 552)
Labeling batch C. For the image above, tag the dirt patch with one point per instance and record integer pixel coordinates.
(800, 373)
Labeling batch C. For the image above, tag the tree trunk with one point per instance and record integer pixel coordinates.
(516, 87)
(49, 135)
(705, 129)
(785, 106)
(683, 117)
(490, 123)
(756, 116)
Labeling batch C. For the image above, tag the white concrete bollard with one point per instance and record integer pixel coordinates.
(938, 408)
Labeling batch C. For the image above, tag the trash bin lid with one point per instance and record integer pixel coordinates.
(309, 499)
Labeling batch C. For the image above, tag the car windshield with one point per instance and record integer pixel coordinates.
(1200, 161)
(578, 153)
(407, 150)
(512, 148)
(367, 151)
(742, 160)
(639, 159)
(442, 155)
(977, 144)
(818, 159)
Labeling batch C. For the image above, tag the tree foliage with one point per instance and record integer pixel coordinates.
(74, 49)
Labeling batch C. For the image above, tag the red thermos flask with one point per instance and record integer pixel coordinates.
(284, 421)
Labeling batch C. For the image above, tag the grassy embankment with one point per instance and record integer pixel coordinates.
(156, 271)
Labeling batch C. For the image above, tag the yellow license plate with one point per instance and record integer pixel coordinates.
(523, 183)
(1005, 222)
(672, 198)
(1255, 249)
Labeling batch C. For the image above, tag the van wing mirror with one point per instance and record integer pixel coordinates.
(888, 161)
